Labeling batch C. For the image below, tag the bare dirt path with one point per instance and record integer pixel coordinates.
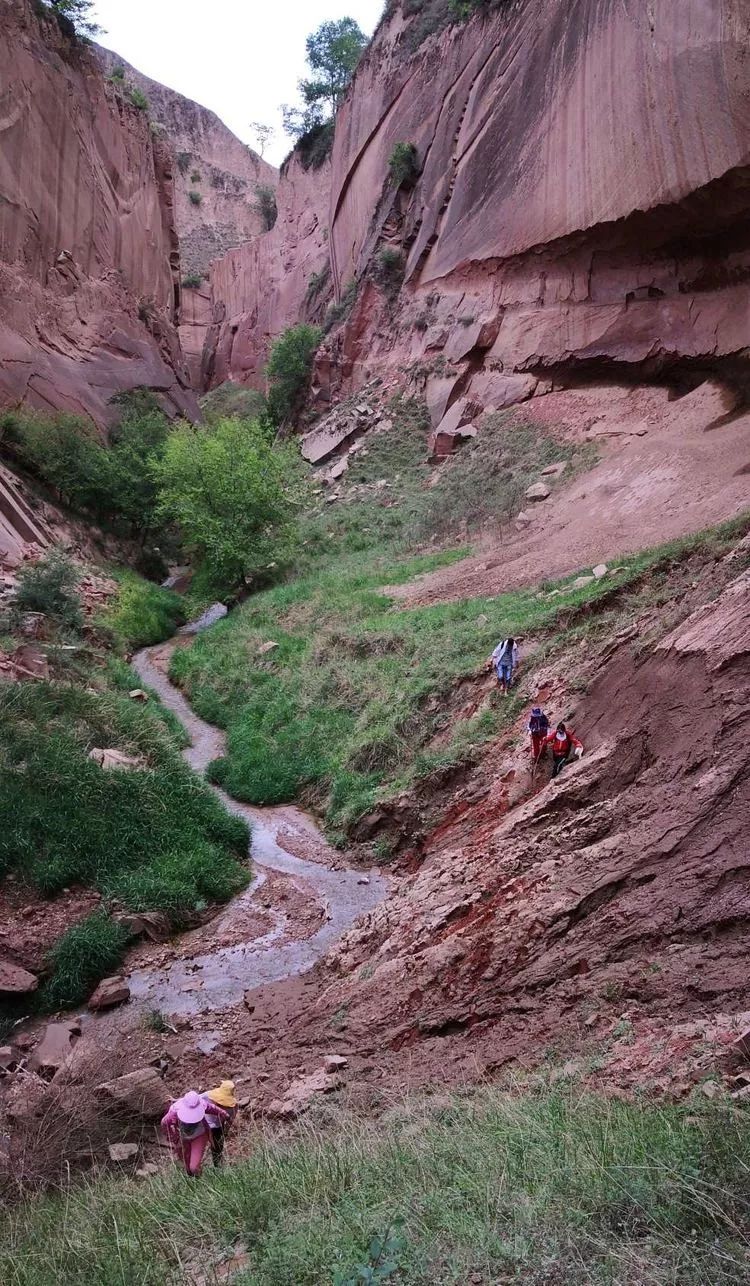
(218, 978)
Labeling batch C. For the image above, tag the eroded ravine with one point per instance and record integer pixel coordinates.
(217, 979)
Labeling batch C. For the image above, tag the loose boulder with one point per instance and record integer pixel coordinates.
(334, 1063)
(114, 760)
(122, 1151)
(537, 491)
(16, 981)
(110, 992)
(54, 1047)
(600, 570)
(141, 1093)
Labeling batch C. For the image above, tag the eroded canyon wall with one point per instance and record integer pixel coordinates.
(262, 287)
(581, 210)
(89, 255)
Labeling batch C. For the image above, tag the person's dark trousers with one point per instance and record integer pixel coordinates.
(217, 1146)
(558, 763)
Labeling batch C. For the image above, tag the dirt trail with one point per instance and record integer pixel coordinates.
(218, 978)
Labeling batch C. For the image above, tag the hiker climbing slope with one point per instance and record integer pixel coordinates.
(504, 659)
(222, 1097)
(538, 729)
(563, 743)
(187, 1129)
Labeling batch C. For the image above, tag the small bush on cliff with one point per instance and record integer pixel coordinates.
(195, 177)
(233, 496)
(137, 97)
(195, 198)
(288, 370)
(388, 270)
(192, 280)
(49, 586)
(265, 205)
(404, 165)
(183, 161)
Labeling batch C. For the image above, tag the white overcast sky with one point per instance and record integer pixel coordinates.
(241, 58)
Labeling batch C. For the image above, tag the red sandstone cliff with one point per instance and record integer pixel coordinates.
(262, 287)
(89, 256)
(216, 181)
(581, 209)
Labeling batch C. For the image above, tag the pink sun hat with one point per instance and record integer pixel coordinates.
(190, 1108)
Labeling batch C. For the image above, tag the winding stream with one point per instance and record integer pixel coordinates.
(218, 978)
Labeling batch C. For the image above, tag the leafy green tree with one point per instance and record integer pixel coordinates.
(264, 133)
(234, 497)
(288, 370)
(333, 52)
(136, 442)
(77, 13)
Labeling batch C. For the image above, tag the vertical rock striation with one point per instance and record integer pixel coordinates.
(89, 257)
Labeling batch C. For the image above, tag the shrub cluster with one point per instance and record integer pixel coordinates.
(288, 371)
(265, 205)
(404, 165)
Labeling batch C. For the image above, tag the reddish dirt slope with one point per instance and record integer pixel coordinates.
(668, 468)
(623, 886)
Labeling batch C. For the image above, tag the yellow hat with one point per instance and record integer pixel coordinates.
(223, 1095)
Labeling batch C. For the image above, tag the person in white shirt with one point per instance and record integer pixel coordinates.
(504, 660)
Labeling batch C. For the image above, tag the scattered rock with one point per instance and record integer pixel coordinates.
(147, 1170)
(16, 981)
(600, 570)
(111, 991)
(301, 1092)
(122, 1151)
(142, 1092)
(7, 1058)
(114, 760)
(149, 924)
(334, 1063)
(710, 1089)
(524, 518)
(54, 1047)
(742, 1044)
(336, 470)
(554, 470)
(582, 581)
(208, 1043)
(537, 491)
(138, 694)
(216, 612)
(265, 648)
(363, 879)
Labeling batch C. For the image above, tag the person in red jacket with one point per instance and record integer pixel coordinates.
(563, 743)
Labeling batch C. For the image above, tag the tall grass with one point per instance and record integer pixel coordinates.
(152, 838)
(542, 1188)
(142, 613)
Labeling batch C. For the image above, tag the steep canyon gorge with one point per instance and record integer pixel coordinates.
(567, 243)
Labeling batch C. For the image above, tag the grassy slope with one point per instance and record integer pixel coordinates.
(151, 839)
(348, 704)
(349, 701)
(545, 1187)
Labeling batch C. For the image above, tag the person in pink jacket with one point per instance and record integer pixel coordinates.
(187, 1129)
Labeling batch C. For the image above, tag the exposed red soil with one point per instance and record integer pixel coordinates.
(682, 475)
(29, 926)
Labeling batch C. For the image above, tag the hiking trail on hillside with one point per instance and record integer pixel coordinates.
(217, 979)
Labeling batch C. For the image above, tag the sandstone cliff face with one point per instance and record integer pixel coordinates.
(89, 256)
(227, 171)
(583, 196)
(262, 287)
(581, 210)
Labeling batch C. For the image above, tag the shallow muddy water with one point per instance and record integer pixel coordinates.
(217, 979)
